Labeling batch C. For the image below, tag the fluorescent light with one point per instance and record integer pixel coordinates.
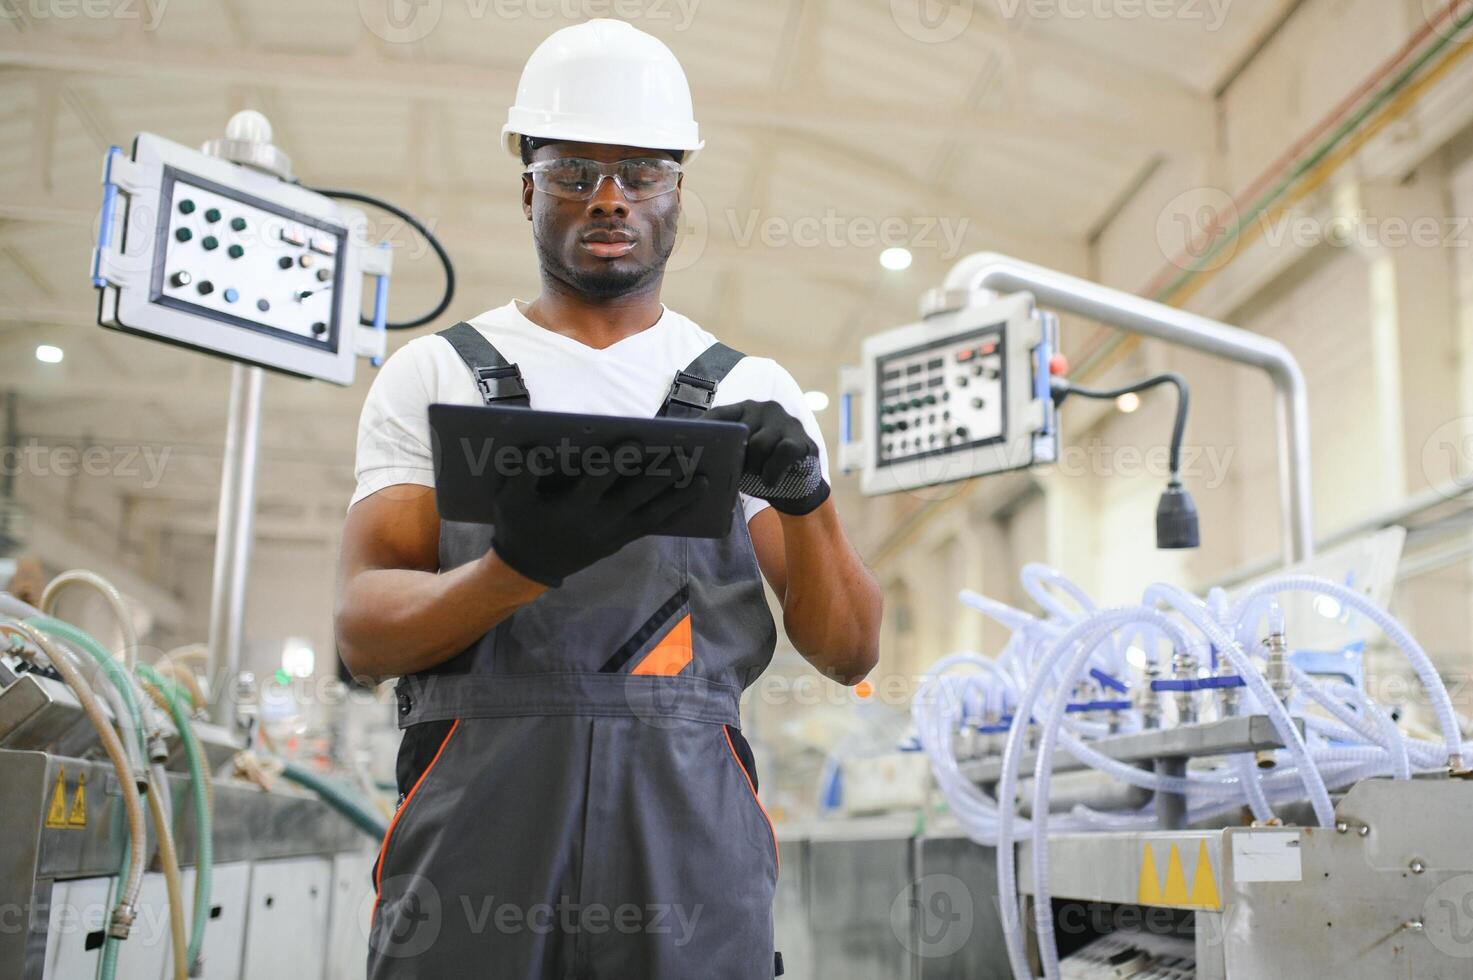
(49, 354)
(895, 259)
(298, 658)
(1327, 606)
(817, 400)
(1128, 402)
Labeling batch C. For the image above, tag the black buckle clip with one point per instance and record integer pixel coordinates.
(500, 383)
(691, 391)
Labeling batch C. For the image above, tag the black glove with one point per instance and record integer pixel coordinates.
(548, 527)
(782, 464)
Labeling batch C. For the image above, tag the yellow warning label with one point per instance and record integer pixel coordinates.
(77, 815)
(56, 813)
(1174, 891)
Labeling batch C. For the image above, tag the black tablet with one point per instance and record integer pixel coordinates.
(474, 445)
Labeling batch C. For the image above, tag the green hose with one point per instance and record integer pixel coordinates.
(119, 680)
(339, 798)
(204, 819)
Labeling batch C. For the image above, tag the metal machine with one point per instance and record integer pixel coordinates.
(1197, 787)
(962, 393)
(246, 865)
(224, 258)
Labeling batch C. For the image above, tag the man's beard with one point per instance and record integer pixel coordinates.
(609, 281)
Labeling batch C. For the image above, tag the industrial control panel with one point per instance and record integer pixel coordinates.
(962, 393)
(212, 255)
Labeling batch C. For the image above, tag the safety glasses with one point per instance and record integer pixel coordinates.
(577, 179)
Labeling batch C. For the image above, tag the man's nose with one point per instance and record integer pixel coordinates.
(608, 198)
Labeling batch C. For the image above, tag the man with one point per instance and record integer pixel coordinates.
(577, 798)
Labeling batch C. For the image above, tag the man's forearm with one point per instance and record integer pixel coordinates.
(394, 621)
(832, 605)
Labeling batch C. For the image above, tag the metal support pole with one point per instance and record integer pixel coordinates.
(1171, 808)
(998, 273)
(233, 536)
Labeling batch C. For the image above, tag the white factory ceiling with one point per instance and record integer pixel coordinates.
(975, 122)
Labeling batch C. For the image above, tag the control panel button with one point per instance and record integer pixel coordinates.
(319, 328)
(209, 243)
(238, 224)
(324, 274)
(325, 246)
(205, 287)
(236, 251)
(285, 262)
(230, 295)
(212, 215)
(292, 237)
(186, 206)
(263, 305)
(181, 278)
(183, 234)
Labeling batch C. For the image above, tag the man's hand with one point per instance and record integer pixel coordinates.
(777, 443)
(547, 528)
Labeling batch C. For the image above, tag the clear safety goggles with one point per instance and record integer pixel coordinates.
(577, 179)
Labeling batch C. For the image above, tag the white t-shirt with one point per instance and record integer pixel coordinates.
(631, 377)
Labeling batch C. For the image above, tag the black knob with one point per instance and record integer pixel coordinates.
(205, 287)
(181, 278)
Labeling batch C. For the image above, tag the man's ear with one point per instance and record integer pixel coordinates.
(527, 197)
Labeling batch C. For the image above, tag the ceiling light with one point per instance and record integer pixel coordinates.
(817, 400)
(1128, 402)
(895, 259)
(49, 354)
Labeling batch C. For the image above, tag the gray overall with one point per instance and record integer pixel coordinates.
(578, 802)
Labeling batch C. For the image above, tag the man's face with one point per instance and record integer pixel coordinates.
(606, 246)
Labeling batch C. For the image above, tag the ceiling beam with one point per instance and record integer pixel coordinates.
(1159, 117)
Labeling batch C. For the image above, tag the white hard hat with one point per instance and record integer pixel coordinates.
(603, 81)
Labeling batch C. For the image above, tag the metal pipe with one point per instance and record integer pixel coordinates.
(1001, 274)
(234, 534)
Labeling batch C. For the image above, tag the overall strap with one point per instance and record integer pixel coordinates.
(499, 381)
(694, 389)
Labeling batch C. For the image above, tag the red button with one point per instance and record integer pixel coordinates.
(965, 355)
(989, 349)
(1058, 365)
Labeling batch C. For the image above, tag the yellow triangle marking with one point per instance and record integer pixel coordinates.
(77, 816)
(1204, 885)
(1174, 892)
(1148, 892)
(56, 815)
